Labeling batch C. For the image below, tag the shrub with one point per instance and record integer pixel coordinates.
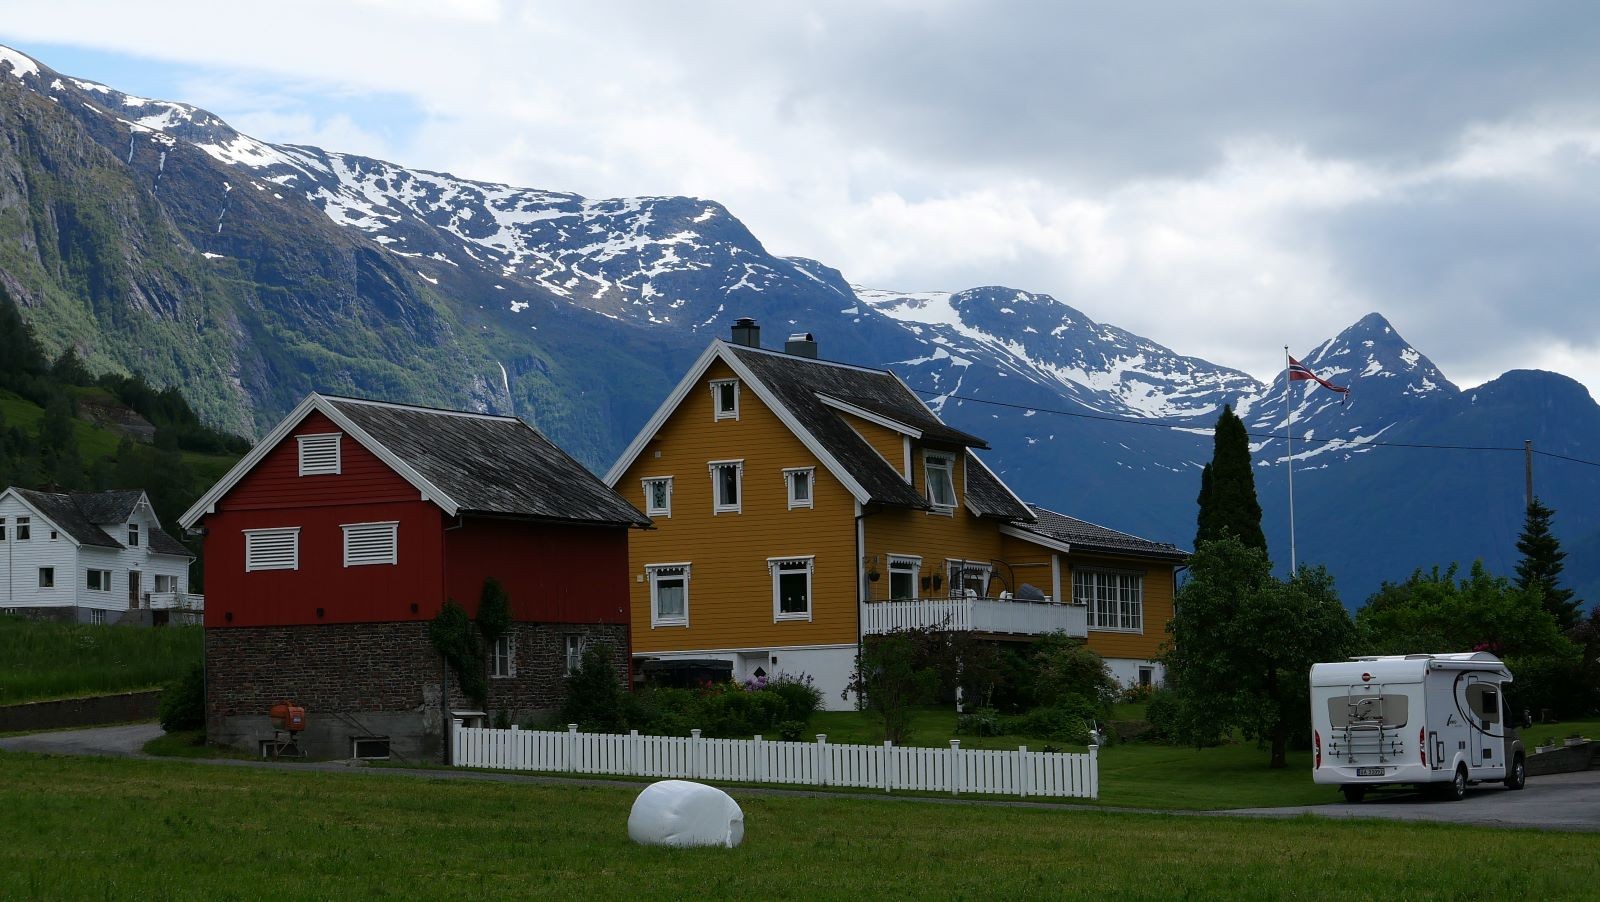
(800, 695)
(452, 635)
(1067, 722)
(183, 702)
(979, 722)
(595, 701)
(1068, 672)
(890, 683)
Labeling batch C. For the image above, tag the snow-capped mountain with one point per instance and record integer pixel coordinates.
(151, 235)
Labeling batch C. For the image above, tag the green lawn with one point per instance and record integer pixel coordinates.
(108, 828)
(58, 660)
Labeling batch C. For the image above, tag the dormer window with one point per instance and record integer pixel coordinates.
(725, 399)
(939, 470)
(726, 489)
(133, 535)
(319, 454)
(798, 481)
(658, 496)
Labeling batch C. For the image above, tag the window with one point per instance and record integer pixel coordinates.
(24, 528)
(166, 583)
(502, 661)
(798, 480)
(903, 577)
(371, 543)
(319, 454)
(272, 549)
(658, 496)
(669, 594)
(938, 470)
(725, 399)
(2, 529)
(133, 535)
(726, 490)
(47, 577)
(791, 588)
(99, 580)
(370, 748)
(97, 616)
(969, 577)
(575, 648)
(1115, 599)
(1147, 676)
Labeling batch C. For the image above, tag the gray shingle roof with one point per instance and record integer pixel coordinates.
(797, 381)
(1085, 536)
(491, 465)
(988, 497)
(78, 515)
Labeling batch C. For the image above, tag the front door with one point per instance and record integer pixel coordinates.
(133, 589)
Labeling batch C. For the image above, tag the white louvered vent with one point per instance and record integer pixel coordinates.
(319, 454)
(371, 543)
(272, 549)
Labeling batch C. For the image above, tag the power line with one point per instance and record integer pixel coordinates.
(1106, 418)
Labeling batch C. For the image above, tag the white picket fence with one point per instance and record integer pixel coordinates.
(887, 767)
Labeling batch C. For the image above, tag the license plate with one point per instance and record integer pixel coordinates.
(1369, 771)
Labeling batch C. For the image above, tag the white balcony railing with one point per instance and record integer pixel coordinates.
(174, 601)
(979, 615)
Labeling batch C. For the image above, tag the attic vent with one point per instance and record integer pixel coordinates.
(319, 454)
(272, 549)
(371, 543)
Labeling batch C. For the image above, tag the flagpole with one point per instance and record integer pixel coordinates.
(1288, 408)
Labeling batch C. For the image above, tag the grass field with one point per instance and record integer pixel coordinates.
(58, 660)
(132, 829)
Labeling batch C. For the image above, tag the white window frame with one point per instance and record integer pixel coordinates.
(97, 617)
(133, 535)
(104, 580)
(2, 529)
(366, 531)
(503, 658)
(717, 413)
(789, 482)
(717, 505)
(23, 529)
(905, 563)
(1122, 602)
(317, 443)
(780, 566)
(52, 577)
(654, 574)
(275, 532)
(650, 508)
(928, 468)
(954, 566)
(171, 583)
(573, 647)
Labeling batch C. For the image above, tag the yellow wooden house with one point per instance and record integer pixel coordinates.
(800, 505)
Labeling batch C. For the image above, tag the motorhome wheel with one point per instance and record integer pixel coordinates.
(1518, 777)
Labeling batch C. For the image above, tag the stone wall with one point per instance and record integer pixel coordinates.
(373, 679)
(80, 712)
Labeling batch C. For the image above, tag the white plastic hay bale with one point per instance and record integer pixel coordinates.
(683, 814)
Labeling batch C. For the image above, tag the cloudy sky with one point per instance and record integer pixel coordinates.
(1223, 178)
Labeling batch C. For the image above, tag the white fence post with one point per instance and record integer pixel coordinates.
(570, 749)
(759, 748)
(1024, 770)
(633, 752)
(694, 754)
(888, 762)
(455, 742)
(955, 767)
(822, 759)
(1094, 771)
(513, 756)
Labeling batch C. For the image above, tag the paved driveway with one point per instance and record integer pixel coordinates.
(121, 741)
(1557, 801)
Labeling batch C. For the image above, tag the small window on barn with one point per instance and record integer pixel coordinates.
(575, 648)
(370, 748)
(503, 658)
(371, 543)
(272, 549)
(319, 454)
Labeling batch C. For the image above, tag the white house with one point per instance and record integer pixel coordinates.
(91, 558)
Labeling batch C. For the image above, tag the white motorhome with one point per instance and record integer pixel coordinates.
(1437, 721)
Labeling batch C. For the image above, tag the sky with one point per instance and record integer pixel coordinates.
(1223, 178)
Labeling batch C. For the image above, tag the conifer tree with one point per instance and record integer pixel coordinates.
(1541, 566)
(1228, 488)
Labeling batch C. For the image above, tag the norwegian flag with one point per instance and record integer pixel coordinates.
(1298, 370)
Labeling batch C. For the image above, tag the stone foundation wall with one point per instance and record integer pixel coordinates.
(373, 679)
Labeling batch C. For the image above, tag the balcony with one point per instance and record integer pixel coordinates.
(998, 616)
(174, 601)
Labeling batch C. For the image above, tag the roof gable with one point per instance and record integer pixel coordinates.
(66, 516)
(463, 462)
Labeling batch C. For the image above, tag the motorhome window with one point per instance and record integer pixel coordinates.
(1388, 709)
(1484, 700)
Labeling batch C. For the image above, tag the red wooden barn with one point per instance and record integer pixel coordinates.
(332, 545)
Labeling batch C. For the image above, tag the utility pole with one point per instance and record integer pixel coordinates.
(1527, 468)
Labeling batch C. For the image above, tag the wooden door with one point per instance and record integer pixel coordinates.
(133, 589)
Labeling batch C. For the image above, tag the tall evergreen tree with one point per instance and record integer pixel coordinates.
(1228, 488)
(1541, 566)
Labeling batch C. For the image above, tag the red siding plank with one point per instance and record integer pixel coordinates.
(553, 574)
